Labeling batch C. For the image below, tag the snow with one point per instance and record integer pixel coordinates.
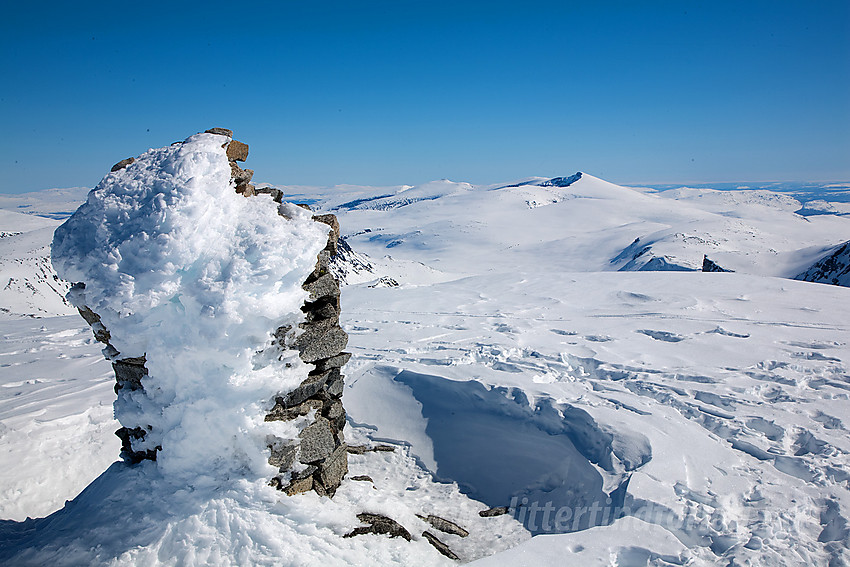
(29, 286)
(833, 268)
(752, 355)
(57, 204)
(55, 410)
(196, 278)
(587, 226)
(629, 417)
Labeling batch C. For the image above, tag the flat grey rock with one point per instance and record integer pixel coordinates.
(334, 469)
(320, 340)
(317, 441)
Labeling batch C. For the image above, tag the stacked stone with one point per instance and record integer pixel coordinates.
(237, 151)
(128, 378)
(318, 459)
(321, 449)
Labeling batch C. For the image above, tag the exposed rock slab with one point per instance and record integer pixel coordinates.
(444, 525)
(379, 525)
(440, 546)
(317, 441)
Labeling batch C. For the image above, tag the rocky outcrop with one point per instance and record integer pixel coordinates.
(318, 458)
(833, 269)
(348, 264)
(561, 181)
(709, 266)
(554, 182)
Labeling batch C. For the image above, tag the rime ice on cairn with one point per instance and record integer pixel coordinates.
(219, 316)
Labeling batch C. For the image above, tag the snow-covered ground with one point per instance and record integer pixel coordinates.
(628, 417)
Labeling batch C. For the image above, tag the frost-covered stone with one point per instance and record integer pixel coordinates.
(307, 389)
(283, 455)
(129, 374)
(280, 412)
(184, 280)
(240, 176)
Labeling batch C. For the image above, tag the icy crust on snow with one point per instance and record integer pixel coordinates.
(191, 275)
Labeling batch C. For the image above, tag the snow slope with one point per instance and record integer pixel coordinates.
(29, 286)
(722, 397)
(833, 268)
(630, 418)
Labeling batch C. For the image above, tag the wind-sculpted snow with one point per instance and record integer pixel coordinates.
(718, 396)
(478, 437)
(195, 278)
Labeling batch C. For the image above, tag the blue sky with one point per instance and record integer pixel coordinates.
(399, 92)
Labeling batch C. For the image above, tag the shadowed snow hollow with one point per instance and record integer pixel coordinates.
(500, 447)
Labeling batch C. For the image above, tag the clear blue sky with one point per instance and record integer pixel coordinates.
(396, 92)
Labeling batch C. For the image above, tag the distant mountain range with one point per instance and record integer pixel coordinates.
(578, 222)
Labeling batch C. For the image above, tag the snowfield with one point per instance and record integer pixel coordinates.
(518, 346)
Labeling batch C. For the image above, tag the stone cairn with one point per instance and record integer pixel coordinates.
(318, 459)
